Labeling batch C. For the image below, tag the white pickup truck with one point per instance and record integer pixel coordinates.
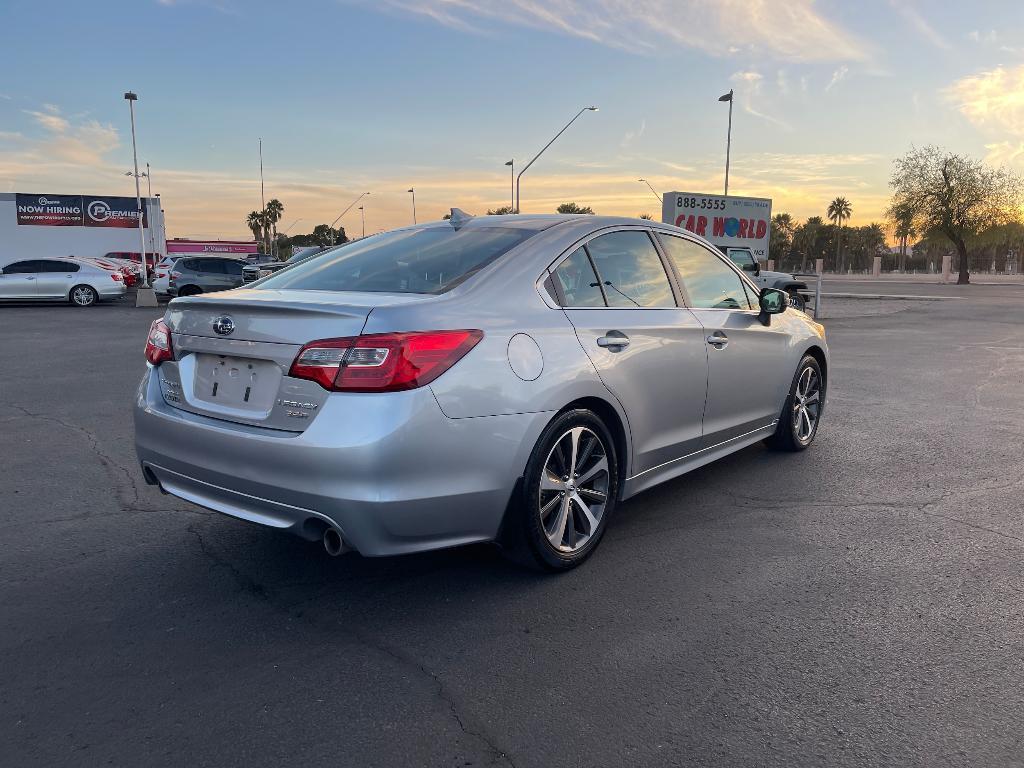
(744, 259)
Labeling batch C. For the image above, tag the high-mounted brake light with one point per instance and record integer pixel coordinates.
(158, 343)
(382, 362)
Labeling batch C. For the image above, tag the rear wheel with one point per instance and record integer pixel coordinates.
(802, 412)
(568, 493)
(83, 296)
(190, 290)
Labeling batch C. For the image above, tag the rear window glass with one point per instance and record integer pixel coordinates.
(411, 261)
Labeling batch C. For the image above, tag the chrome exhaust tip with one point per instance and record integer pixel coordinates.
(333, 543)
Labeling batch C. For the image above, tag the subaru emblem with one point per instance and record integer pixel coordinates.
(223, 325)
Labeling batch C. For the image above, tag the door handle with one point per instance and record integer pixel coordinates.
(718, 340)
(613, 340)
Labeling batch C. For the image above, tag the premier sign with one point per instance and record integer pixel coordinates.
(78, 211)
(725, 221)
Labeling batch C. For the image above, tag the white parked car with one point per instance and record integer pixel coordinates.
(162, 272)
(75, 280)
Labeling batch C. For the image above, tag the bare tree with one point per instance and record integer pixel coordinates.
(940, 191)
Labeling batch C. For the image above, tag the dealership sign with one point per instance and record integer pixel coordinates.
(78, 211)
(725, 221)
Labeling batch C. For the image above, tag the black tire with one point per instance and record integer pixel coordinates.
(83, 296)
(792, 433)
(796, 300)
(529, 530)
(190, 290)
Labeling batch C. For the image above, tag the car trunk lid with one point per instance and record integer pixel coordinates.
(233, 351)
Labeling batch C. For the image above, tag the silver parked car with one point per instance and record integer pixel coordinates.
(80, 282)
(502, 378)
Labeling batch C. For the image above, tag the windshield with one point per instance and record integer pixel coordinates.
(408, 261)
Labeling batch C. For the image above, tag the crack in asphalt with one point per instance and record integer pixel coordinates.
(123, 478)
(441, 693)
(250, 586)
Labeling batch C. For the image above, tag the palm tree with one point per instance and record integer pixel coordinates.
(781, 237)
(903, 227)
(838, 210)
(255, 223)
(274, 212)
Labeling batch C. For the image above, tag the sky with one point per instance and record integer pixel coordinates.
(378, 96)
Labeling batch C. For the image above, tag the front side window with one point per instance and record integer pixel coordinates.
(432, 260)
(578, 283)
(630, 270)
(709, 281)
(743, 259)
(22, 268)
(212, 266)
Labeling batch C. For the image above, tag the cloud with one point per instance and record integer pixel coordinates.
(631, 135)
(748, 93)
(920, 24)
(993, 101)
(48, 120)
(838, 76)
(791, 30)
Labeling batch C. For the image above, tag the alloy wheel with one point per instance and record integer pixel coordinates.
(82, 296)
(573, 491)
(806, 404)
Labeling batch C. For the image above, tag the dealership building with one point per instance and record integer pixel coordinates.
(35, 225)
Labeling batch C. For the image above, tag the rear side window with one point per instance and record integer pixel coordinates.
(189, 264)
(630, 270)
(212, 266)
(577, 282)
(431, 260)
(710, 283)
(59, 266)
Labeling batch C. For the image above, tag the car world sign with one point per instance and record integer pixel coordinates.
(725, 221)
(77, 211)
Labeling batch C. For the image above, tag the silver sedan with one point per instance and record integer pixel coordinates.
(502, 378)
(60, 279)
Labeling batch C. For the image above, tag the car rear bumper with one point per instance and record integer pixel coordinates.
(113, 291)
(391, 472)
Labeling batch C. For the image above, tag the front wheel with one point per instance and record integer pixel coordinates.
(802, 412)
(83, 296)
(568, 493)
(796, 300)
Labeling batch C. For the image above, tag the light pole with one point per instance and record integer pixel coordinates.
(145, 296)
(149, 185)
(656, 195)
(413, 191)
(512, 164)
(728, 138)
(349, 208)
(362, 217)
(585, 109)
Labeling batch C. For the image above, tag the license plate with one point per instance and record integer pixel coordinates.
(236, 382)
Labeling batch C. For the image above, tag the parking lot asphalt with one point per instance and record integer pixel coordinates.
(857, 604)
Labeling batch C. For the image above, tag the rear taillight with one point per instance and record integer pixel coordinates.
(158, 344)
(161, 274)
(382, 362)
(116, 276)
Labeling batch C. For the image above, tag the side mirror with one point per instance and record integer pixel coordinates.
(773, 302)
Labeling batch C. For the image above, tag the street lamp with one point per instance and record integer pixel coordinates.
(511, 164)
(728, 138)
(362, 216)
(145, 296)
(413, 191)
(645, 181)
(349, 208)
(585, 109)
